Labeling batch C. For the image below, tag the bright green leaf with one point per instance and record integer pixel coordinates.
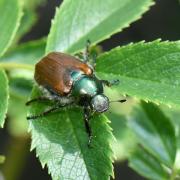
(77, 21)
(146, 165)
(11, 13)
(155, 132)
(61, 141)
(26, 53)
(3, 97)
(148, 71)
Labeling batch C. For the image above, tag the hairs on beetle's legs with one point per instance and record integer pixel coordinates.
(86, 52)
(79, 55)
(110, 83)
(94, 56)
(41, 98)
(86, 122)
(44, 113)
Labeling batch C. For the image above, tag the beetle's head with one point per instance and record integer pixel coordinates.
(100, 103)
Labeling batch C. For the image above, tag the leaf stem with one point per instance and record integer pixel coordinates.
(10, 66)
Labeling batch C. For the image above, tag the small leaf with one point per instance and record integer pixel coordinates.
(26, 53)
(148, 71)
(61, 141)
(2, 159)
(11, 13)
(146, 165)
(155, 133)
(77, 21)
(3, 97)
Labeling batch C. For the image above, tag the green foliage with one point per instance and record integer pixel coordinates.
(61, 142)
(148, 166)
(29, 17)
(26, 53)
(3, 97)
(59, 39)
(156, 135)
(11, 13)
(77, 21)
(148, 71)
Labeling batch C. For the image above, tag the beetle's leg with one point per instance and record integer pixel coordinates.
(86, 121)
(41, 98)
(110, 83)
(45, 112)
(86, 52)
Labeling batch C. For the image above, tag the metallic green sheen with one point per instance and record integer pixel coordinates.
(85, 85)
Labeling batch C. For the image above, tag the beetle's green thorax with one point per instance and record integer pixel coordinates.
(84, 85)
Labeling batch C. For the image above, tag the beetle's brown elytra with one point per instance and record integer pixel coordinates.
(53, 71)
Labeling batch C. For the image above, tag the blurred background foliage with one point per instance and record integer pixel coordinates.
(162, 21)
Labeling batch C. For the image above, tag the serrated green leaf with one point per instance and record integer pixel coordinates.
(11, 13)
(4, 94)
(26, 53)
(146, 165)
(148, 71)
(155, 133)
(77, 21)
(61, 140)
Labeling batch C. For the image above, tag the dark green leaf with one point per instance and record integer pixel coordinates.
(3, 97)
(155, 133)
(146, 165)
(61, 141)
(77, 21)
(148, 71)
(11, 13)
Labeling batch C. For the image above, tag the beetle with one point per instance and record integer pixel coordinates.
(66, 80)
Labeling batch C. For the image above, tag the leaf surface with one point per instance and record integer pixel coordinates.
(146, 165)
(61, 141)
(148, 71)
(77, 21)
(11, 13)
(3, 97)
(155, 133)
(26, 53)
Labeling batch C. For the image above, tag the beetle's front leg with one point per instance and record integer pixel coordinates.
(110, 83)
(86, 118)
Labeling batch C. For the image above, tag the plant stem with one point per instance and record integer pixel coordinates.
(10, 66)
(173, 174)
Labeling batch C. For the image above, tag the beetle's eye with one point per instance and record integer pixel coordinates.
(100, 103)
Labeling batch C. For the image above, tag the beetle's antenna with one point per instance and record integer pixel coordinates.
(120, 100)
